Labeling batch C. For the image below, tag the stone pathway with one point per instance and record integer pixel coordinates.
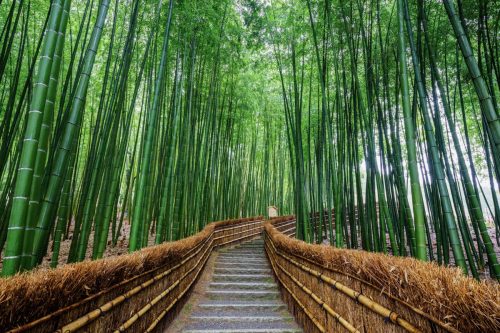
(239, 295)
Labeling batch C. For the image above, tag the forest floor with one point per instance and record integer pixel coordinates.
(111, 251)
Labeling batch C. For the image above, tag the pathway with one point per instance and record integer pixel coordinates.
(238, 295)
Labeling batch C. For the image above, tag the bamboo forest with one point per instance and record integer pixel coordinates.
(129, 123)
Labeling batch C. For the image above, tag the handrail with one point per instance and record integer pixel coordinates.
(315, 321)
(295, 261)
(382, 292)
(83, 320)
(174, 279)
(241, 232)
(127, 324)
(230, 226)
(357, 296)
(347, 325)
(92, 297)
(164, 312)
(313, 287)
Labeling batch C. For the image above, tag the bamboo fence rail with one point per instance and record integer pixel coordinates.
(327, 289)
(325, 297)
(143, 302)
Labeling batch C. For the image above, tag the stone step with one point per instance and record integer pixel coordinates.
(259, 251)
(241, 270)
(259, 256)
(243, 285)
(245, 247)
(253, 247)
(257, 313)
(242, 294)
(250, 246)
(242, 277)
(229, 318)
(261, 261)
(240, 265)
(241, 312)
(244, 330)
(257, 248)
(250, 325)
(248, 306)
(240, 253)
(246, 260)
(242, 260)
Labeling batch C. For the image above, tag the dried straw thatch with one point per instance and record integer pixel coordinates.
(29, 296)
(443, 294)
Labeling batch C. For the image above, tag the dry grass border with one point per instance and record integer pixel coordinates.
(443, 293)
(32, 295)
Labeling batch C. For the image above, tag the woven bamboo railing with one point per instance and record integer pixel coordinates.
(143, 302)
(285, 225)
(327, 291)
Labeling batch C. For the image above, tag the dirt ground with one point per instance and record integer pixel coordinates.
(120, 248)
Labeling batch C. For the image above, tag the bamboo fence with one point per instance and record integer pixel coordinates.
(138, 292)
(338, 290)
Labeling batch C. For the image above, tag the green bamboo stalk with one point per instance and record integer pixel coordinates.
(446, 206)
(418, 206)
(43, 144)
(68, 136)
(135, 242)
(480, 86)
(20, 205)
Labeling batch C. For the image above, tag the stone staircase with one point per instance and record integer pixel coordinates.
(242, 296)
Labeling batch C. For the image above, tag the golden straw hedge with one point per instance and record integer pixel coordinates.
(442, 293)
(29, 296)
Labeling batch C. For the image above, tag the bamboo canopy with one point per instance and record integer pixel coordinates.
(127, 124)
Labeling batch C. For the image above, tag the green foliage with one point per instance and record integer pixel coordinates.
(297, 104)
